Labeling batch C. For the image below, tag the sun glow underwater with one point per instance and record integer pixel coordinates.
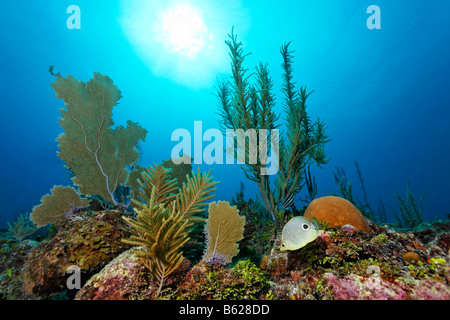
(184, 31)
(179, 41)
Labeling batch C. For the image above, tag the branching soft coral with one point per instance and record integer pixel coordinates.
(21, 228)
(245, 106)
(165, 217)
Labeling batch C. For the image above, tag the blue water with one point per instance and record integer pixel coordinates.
(383, 93)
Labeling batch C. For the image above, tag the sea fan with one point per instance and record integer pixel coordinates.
(224, 228)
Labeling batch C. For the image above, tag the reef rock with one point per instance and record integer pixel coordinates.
(12, 259)
(385, 264)
(217, 282)
(126, 278)
(121, 279)
(88, 241)
(277, 261)
(336, 212)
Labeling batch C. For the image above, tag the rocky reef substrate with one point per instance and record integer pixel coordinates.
(342, 263)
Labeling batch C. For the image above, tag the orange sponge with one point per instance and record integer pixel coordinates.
(336, 211)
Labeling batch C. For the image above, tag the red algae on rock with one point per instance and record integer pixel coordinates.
(118, 280)
(340, 264)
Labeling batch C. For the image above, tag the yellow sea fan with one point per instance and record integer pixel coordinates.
(224, 228)
(56, 205)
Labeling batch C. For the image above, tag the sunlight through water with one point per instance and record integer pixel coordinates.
(183, 41)
(183, 30)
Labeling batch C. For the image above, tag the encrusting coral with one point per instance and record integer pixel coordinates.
(121, 279)
(165, 217)
(411, 257)
(88, 241)
(96, 153)
(380, 263)
(224, 228)
(61, 202)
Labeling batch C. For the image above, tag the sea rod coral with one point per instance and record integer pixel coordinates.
(249, 106)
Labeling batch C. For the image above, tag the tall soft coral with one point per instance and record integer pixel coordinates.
(246, 106)
(95, 152)
(165, 218)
